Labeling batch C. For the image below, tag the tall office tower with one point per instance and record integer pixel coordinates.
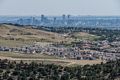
(63, 17)
(54, 20)
(33, 21)
(68, 17)
(42, 18)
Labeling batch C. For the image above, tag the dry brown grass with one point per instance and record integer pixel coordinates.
(28, 35)
(46, 59)
(85, 36)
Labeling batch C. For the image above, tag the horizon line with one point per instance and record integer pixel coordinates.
(56, 15)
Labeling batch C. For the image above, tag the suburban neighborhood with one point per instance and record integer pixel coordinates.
(84, 50)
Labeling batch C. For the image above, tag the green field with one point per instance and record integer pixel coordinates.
(84, 36)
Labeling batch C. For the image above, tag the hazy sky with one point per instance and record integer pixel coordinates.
(59, 7)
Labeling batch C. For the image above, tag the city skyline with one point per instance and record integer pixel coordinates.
(59, 7)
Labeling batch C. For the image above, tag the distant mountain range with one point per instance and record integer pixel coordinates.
(64, 21)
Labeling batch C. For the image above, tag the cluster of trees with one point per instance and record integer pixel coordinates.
(106, 34)
(39, 71)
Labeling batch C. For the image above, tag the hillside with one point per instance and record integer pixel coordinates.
(84, 36)
(18, 35)
(11, 35)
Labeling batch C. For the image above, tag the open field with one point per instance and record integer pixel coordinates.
(13, 43)
(27, 56)
(84, 36)
(22, 35)
(46, 59)
(13, 36)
